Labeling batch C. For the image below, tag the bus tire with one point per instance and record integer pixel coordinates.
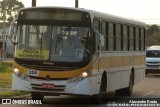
(119, 92)
(37, 96)
(99, 97)
(128, 91)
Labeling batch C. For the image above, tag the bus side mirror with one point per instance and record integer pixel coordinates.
(101, 39)
(12, 32)
(97, 42)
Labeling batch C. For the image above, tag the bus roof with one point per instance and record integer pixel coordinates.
(100, 15)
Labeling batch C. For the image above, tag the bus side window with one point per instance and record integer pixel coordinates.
(96, 36)
(97, 42)
(131, 37)
(125, 38)
(142, 39)
(137, 39)
(118, 37)
(110, 37)
(97, 25)
(105, 33)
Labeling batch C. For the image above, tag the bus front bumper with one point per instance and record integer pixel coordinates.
(82, 87)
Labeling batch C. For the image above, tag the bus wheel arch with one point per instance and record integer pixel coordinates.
(132, 73)
(129, 89)
(102, 89)
(104, 81)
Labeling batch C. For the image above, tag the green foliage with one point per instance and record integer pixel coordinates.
(5, 67)
(153, 35)
(5, 80)
(152, 29)
(12, 93)
(12, 7)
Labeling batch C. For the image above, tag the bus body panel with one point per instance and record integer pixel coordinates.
(118, 67)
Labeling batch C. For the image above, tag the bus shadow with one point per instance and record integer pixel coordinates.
(109, 97)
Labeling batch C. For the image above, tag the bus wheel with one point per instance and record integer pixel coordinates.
(128, 90)
(98, 98)
(37, 96)
(119, 92)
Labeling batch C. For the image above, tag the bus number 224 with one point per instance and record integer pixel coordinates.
(33, 72)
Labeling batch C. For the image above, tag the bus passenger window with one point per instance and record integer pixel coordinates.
(125, 38)
(105, 33)
(97, 25)
(137, 39)
(110, 37)
(131, 41)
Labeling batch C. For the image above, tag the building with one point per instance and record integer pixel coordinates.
(9, 48)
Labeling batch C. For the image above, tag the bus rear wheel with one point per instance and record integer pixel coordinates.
(37, 96)
(126, 91)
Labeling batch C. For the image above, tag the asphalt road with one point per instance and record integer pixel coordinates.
(149, 87)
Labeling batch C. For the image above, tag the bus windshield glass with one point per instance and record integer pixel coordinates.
(54, 43)
(153, 53)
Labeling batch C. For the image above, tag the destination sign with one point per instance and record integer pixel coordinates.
(37, 54)
(53, 14)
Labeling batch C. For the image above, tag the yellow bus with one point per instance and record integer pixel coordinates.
(75, 51)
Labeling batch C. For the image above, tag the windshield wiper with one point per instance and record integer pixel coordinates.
(63, 34)
(66, 30)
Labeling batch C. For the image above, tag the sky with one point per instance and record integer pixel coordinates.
(147, 11)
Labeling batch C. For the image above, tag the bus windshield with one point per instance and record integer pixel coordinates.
(153, 53)
(54, 43)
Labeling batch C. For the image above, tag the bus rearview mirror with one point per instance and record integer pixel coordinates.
(102, 40)
(101, 37)
(12, 32)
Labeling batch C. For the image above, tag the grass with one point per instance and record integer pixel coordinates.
(6, 81)
(12, 93)
(6, 67)
(5, 74)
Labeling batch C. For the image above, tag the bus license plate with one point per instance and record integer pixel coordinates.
(48, 86)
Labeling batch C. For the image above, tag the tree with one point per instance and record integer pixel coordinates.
(152, 29)
(153, 35)
(12, 7)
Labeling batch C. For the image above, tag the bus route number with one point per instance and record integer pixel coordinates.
(33, 72)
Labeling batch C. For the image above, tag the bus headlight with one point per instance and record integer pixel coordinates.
(80, 77)
(17, 72)
(84, 74)
(20, 75)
